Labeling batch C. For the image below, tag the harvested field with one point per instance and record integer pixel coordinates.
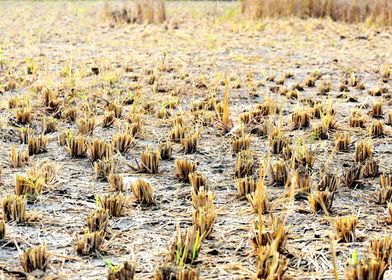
(283, 124)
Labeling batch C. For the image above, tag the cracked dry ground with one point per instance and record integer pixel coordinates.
(186, 59)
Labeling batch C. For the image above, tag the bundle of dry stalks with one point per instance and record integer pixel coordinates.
(168, 272)
(14, 208)
(124, 271)
(3, 229)
(142, 11)
(370, 269)
(345, 228)
(186, 246)
(373, 11)
(143, 191)
(274, 232)
(381, 248)
(34, 258)
(97, 220)
(91, 242)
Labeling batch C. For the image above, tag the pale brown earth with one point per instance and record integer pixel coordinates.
(201, 42)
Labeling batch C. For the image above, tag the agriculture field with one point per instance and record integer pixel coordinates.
(202, 145)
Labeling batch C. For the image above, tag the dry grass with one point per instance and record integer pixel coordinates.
(142, 11)
(90, 243)
(3, 229)
(143, 191)
(183, 168)
(320, 201)
(197, 181)
(125, 271)
(216, 97)
(99, 150)
(370, 269)
(97, 220)
(18, 158)
(103, 168)
(14, 208)
(244, 164)
(116, 182)
(37, 145)
(115, 204)
(381, 248)
(34, 258)
(374, 11)
(345, 228)
(150, 161)
(76, 146)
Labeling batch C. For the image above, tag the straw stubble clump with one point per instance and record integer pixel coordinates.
(183, 168)
(76, 146)
(384, 194)
(150, 161)
(381, 248)
(186, 246)
(240, 144)
(115, 204)
(345, 228)
(18, 158)
(3, 229)
(124, 271)
(86, 125)
(259, 197)
(321, 201)
(89, 243)
(37, 144)
(122, 142)
(204, 212)
(34, 258)
(141, 12)
(246, 185)
(14, 208)
(99, 150)
(244, 164)
(370, 268)
(190, 142)
(29, 186)
(103, 168)
(388, 219)
(143, 191)
(197, 181)
(166, 150)
(116, 182)
(169, 272)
